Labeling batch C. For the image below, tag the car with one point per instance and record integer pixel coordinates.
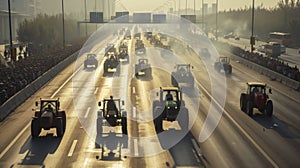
(143, 68)
(256, 97)
(111, 111)
(48, 116)
(182, 74)
(223, 63)
(91, 61)
(169, 107)
(112, 63)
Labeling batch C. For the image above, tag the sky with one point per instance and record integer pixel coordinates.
(77, 6)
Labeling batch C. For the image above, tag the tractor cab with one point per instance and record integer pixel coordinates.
(48, 106)
(183, 69)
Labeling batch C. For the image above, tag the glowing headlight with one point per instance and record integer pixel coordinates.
(168, 107)
(175, 107)
(115, 115)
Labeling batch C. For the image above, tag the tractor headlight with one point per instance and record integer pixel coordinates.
(107, 116)
(176, 107)
(115, 115)
(168, 107)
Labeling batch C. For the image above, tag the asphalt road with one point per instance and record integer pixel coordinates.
(237, 141)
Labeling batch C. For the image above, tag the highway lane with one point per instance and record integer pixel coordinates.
(264, 130)
(227, 147)
(76, 148)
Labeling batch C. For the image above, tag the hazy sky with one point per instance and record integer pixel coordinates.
(146, 5)
(77, 6)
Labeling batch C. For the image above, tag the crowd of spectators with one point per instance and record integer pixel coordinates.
(273, 64)
(15, 75)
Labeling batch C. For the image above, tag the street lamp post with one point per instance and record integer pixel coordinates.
(10, 31)
(216, 19)
(63, 22)
(252, 39)
(85, 18)
(186, 6)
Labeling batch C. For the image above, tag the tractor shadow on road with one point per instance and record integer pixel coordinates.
(277, 125)
(37, 149)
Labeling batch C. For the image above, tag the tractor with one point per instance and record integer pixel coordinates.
(140, 47)
(223, 63)
(170, 107)
(123, 52)
(143, 68)
(110, 48)
(112, 113)
(182, 74)
(112, 63)
(90, 60)
(256, 97)
(48, 116)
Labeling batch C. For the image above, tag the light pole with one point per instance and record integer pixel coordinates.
(216, 19)
(179, 8)
(63, 22)
(186, 5)
(85, 18)
(252, 39)
(194, 7)
(203, 15)
(10, 31)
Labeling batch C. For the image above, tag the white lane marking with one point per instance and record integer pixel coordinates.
(133, 90)
(14, 140)
(96, 90)
(54, 94)
(87, 112)
(135, 146)
(72, 148)
(240, 128)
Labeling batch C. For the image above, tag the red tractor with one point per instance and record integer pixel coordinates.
(256, 97)
(48, 116)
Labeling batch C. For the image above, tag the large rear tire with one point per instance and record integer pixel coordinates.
(183, 119)
(243, 103)
(59, 127)
(269, 108)
(158, 120)
(35, 128)
(250, 108)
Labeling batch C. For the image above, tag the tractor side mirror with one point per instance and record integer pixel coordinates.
(270, 90)
(157, 94)
(36, 103)
(99, 104)
(123, 103)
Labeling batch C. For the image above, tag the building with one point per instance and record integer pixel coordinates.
(20, 10)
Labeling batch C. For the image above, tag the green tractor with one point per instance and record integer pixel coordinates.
(170, 107)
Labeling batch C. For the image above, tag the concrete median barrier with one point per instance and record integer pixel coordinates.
(30, 89)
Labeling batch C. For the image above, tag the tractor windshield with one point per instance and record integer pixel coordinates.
(170, 95)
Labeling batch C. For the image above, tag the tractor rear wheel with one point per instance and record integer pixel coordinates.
(124, 125)
(243, 103)
(35, 128)
(183, 119)
(59, 127)
(158, 120)
(269, 108)
(250, 108)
